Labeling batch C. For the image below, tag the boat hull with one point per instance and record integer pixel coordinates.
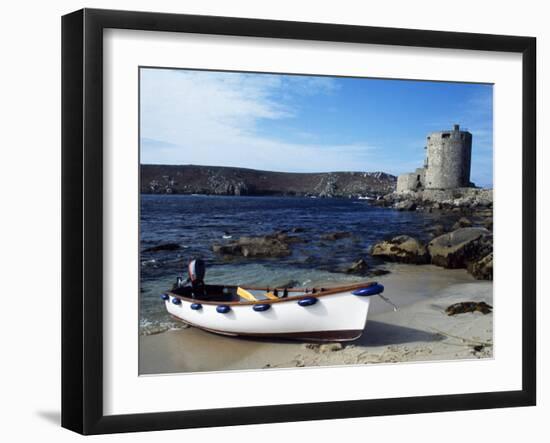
(335, 317)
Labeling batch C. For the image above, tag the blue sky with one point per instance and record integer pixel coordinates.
(307, 123)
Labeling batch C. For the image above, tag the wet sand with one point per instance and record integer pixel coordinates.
(419, 331)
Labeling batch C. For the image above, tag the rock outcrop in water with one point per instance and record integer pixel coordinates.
(273, 245)
(218, 180)
(464, 199)
(332, 236)
(163, 247)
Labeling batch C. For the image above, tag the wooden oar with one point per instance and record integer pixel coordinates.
(243, 293)
(271, 296)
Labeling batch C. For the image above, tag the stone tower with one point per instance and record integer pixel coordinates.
(448, 159)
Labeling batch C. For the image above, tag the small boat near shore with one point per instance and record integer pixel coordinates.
(309, 314)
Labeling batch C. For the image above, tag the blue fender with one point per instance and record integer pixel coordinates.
(176, 301)
(375, 289)
(223, 309)
(196, 306)
(262, 307)
(308, 301)
(165, 297)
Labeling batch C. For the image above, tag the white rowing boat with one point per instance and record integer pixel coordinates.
(322, 314)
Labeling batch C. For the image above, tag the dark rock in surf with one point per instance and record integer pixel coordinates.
(290, 284)
(463, 222)
(358, 267)
(437, 230)
(379, 272)
(332, 236)
(406, 205)
(285, 238)
(163, 247)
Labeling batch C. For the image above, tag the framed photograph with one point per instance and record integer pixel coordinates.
(268, 221)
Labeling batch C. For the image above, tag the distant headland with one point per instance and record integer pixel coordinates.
(221, 180)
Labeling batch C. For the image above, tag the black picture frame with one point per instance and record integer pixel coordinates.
(82, 217)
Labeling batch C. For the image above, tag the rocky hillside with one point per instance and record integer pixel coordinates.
(218, 180)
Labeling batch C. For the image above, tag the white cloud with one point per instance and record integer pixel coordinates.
(190, 117)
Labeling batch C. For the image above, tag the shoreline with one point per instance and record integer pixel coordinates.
(419, 331)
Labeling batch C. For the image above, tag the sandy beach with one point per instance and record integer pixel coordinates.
(420, 330)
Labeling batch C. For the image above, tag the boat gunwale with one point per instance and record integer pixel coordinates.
(320, 293)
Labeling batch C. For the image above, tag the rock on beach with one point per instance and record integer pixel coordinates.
(483, 268)
(358, 267)
(402, 249)
(461, 247)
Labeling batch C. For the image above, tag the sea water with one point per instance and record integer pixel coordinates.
(197, 222)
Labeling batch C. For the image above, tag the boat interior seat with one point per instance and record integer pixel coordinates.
(207, 293)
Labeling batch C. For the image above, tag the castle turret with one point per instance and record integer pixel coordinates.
(448, 158)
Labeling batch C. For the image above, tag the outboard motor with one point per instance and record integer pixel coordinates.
(197, 271)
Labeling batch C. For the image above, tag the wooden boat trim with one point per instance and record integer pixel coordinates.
(322, 292)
